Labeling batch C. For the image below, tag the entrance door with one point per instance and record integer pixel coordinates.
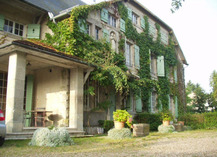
(113, 107)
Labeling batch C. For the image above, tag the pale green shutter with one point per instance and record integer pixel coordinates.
(150, 60)
(161, 106)
(2, 21)
(142, 22)
(169, 107)
(29, 96)
(122, 25)
(160, 66)
(104, 15)
(176, 107)
(33, 31)
(137, 65)
(82, 25)
(130, 15)
(175, 75)
(106, 35)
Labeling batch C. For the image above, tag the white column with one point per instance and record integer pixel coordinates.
(15, 92)
(76, 99)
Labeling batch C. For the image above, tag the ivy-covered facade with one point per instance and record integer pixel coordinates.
(141, 67)
(86, 61)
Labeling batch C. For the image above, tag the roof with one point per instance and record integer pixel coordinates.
(38, 46)
(55, 6)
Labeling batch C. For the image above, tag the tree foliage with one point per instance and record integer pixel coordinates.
(198, 97)
(176, 4)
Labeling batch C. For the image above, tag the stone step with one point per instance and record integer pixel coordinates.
(28, 133)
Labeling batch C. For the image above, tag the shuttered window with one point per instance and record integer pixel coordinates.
(130, 13)
(136, 50)
(169, 106)
(104, 15)
(106, 35)
(142, 22)
(128, 55)
(122, 25)
(33, 31)
(152, 29)
(1, 22)
(164, 37)
(160, 66)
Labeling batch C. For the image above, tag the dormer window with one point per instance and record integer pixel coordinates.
(13, 27)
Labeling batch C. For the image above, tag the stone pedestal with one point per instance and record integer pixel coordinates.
(178, 127)
(141, 129)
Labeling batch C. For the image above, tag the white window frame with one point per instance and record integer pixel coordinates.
(6, 27)
(128, 54)
(112, 21)
(135, 18)
(97, 32)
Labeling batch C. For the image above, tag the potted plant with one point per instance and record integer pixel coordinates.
(181, 120)
(121, 117)
(167, 117)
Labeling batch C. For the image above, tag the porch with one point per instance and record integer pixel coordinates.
(41, 79)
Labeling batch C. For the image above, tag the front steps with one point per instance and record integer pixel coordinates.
(28, 133)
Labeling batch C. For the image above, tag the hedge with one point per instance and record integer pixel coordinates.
(153, 119)
(200, 121)
(106, 124)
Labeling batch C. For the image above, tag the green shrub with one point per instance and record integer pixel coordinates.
(195, 121)
(51, 137)
(106, 124)
(210, 120)
(119, 133)
(166, 129)
(153, 119)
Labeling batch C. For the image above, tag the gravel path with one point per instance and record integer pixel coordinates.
(190, 145)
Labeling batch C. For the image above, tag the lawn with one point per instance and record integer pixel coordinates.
(102, 146)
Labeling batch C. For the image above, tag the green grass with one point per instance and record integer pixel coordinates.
(96, 144)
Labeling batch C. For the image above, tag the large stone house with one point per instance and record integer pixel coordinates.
(35, 77)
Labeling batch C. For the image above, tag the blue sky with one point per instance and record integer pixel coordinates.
(195, 26)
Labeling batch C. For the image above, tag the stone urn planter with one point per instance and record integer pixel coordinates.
(166, 122)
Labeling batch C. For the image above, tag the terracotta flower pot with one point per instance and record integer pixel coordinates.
(166, 123)
(119, 125)
(181, 122)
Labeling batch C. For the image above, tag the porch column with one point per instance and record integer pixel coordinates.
(15, 92)
(76, 99)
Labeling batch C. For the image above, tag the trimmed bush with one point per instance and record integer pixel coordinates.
(166, 129)
(210, 120)
(195, 121)
(119, 133)
(106, 124)
(51, 137)
(153, 119)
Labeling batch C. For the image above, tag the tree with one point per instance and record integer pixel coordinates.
(213, 83)
(213, 95)
(176, 4)
(198, 98)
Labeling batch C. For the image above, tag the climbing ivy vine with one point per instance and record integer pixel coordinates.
(111, 68)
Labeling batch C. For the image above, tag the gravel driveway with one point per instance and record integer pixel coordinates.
(192, 144)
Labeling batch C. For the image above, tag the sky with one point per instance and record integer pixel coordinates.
(195, 26)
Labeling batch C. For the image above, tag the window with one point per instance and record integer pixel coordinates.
(97, 29)
(88, 29)
(13, 27)
(111, 20)
(3, 90)
(153, 104)
(128, 55)
(134, 18)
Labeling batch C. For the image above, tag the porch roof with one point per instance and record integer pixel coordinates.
(38, 46)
